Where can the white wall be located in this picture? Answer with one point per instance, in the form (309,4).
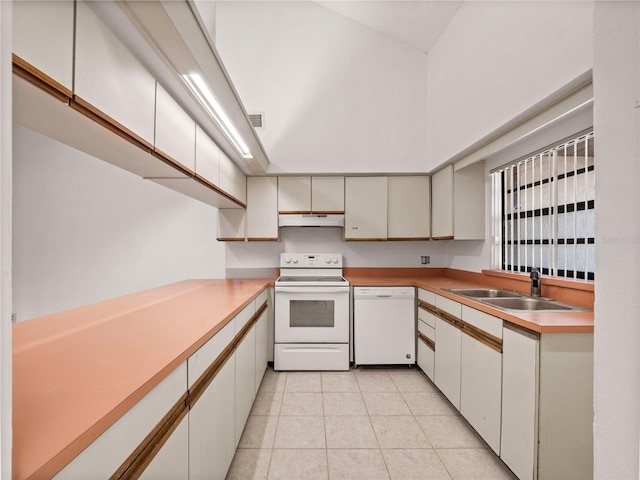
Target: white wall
(85,230)
(337,96)
(496,60)
(617,332)
(355,254)
(5,239)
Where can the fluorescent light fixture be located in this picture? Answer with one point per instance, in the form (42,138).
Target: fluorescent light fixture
(202,92)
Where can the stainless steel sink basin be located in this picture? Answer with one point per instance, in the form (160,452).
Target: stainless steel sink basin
(484,292)
(507,300)
(528,303)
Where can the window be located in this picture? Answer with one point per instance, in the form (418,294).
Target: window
(543,211)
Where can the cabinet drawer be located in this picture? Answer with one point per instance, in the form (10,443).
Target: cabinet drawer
(241,319)
(427,296)
(427,330)
(261,298)
(427,317)
(205,355)
(490,324)
(450,306)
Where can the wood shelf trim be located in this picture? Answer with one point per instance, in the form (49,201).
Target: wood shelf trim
(427,341)
(447,237)
(33,75)
(101,118)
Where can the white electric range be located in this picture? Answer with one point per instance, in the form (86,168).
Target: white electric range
(311,313)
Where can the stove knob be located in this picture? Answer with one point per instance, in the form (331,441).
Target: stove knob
(295,259)
(287,260)
(335,260)
(327,260)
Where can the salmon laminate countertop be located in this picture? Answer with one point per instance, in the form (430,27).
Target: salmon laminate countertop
(75,373)
(536,321)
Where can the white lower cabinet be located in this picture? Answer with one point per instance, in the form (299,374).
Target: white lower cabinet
(262,339)
(448,351)
(212,418)
(519,400)
(481,375)
(245,380)
(212,439)
(547,405)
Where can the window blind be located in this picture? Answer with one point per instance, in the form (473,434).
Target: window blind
(544,211)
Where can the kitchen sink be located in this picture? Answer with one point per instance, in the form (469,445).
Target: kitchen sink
(529,304)
(508,300)
(484,292)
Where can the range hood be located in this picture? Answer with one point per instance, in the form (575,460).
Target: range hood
(311,220)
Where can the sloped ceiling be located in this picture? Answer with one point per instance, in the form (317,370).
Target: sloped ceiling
(417,23)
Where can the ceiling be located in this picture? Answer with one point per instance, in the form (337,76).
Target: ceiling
(418,23)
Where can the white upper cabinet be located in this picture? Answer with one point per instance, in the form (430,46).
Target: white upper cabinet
(458,203)
(409,208)
(327,194)
(262,208)
(111,79)
(294,194)
(43,37)
(175,131)
(365,208)
(207,158)
(232,179)
(442,206)
(468,200)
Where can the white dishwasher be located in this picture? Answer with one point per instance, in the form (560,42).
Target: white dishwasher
(384,325)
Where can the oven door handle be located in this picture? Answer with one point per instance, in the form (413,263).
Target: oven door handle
(304,290)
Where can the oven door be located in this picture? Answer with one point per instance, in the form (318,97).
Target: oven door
(311,315)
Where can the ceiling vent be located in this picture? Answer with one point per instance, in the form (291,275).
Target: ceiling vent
(257,120)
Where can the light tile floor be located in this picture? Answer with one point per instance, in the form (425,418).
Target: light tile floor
(368,423)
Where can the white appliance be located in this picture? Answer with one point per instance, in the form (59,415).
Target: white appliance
(311,313)
(384,325)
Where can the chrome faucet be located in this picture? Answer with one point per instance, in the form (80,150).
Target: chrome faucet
(536,284)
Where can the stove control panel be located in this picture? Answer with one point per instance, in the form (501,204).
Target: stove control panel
(311,260)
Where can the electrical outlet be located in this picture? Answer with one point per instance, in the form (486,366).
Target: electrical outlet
(425,259)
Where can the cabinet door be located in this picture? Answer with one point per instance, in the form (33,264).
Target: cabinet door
(469,200)
(262,344)
(232,180)
(519,402)
(245,387)
(365,208)
(409,208)
(426,352)
(327,194)
(43,37)
(175,131)
(442,204)
(481,389)
(207,158)
(262,208)
(448,361)
(212,437)
(110,78)
(172,461)
(294,194)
